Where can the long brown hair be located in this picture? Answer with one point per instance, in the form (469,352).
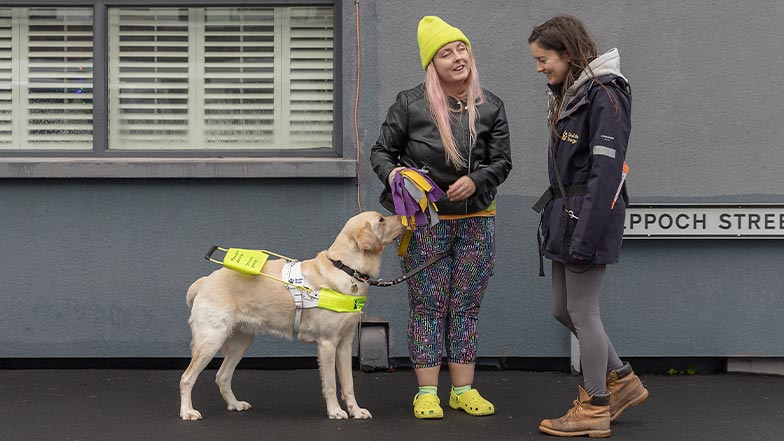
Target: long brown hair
(569,37)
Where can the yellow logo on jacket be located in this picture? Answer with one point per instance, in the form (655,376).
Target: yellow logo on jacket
(570,137)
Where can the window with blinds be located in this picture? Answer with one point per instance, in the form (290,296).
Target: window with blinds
(46,79)
(221,78)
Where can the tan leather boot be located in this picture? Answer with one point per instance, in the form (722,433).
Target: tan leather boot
(626,390)
(585,418)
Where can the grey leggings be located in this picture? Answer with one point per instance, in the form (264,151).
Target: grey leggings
(576,306)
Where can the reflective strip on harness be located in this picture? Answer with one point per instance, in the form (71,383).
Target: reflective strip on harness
(338,302)
(324,298)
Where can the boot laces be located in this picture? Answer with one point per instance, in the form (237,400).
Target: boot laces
(611,381)
(577,409)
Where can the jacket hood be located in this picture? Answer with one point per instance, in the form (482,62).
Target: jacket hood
(606,64)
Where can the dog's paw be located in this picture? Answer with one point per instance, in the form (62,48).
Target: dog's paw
(239,406)
(361,414)
(190,415)
(338,414)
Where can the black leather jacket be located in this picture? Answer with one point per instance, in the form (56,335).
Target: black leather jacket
(409,137)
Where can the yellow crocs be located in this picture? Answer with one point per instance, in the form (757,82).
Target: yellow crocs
(427,407)
(471,402)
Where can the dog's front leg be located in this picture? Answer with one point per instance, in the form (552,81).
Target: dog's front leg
(347,380)
(326,356)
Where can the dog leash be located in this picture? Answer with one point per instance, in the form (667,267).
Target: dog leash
(364,278)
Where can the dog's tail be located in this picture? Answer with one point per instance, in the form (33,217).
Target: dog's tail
(193,290)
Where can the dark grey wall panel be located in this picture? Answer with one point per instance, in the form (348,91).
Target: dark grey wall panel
(99,267)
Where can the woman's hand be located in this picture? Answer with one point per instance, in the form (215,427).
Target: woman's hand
(461,189)
(391,175)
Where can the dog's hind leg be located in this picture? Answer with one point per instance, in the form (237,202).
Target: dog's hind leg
(233,350)
(343,359)
(326,358)
(205,345)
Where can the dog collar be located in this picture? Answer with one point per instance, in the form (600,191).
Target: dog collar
(362,277)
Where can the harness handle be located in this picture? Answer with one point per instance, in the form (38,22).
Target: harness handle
(254,269)
(212,251)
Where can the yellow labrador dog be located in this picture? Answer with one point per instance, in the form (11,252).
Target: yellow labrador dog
(228,308)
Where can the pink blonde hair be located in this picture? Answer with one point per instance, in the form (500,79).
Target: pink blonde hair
(440,110)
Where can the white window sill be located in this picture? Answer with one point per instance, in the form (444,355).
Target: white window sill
(177,168)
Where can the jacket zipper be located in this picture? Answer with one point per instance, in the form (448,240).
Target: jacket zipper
(467,143)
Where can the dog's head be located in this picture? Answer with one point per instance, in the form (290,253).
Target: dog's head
(364,237)
(370,231)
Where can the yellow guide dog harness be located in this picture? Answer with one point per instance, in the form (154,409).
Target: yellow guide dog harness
(251,262)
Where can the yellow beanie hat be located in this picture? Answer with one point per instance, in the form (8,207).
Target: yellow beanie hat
(433,34)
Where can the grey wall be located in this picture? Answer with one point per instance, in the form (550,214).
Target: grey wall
(99,267)
(706,128)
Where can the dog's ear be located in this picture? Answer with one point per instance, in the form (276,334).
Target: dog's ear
(367,241)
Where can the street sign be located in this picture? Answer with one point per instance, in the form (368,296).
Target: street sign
(704,221)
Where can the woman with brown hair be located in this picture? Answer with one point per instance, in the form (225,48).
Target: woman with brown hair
(583,211)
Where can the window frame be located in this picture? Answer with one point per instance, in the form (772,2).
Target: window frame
(104,162)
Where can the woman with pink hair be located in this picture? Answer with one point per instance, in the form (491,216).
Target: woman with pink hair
(455,132)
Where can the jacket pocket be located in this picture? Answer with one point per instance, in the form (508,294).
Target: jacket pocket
(561,226)
(545,220)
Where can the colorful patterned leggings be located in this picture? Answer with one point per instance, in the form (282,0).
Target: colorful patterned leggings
(444,298)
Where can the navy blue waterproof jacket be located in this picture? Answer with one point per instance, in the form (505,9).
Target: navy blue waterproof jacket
(593,134)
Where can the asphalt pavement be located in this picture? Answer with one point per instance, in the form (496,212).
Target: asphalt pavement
(138,404)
